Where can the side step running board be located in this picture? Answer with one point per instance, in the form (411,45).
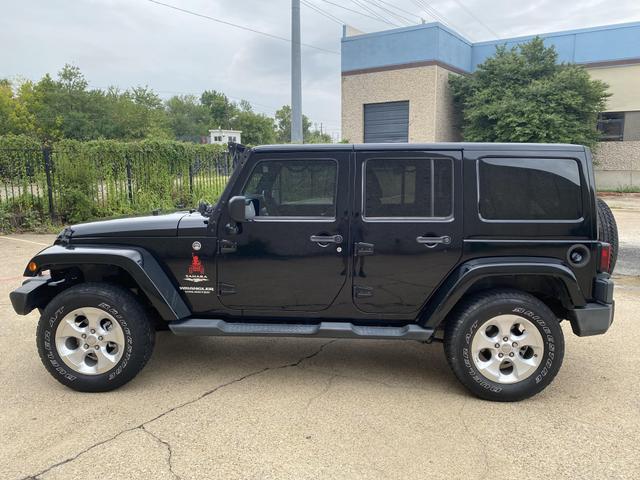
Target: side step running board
(211,327)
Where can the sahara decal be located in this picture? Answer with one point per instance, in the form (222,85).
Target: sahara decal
(195,272)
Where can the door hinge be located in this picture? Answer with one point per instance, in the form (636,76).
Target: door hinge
(227,246)
(362,249)
(362,292)
(226,289)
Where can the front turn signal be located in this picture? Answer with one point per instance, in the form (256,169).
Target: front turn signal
(32,267)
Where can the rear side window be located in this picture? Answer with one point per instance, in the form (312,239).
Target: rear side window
(408,188)
(529,189)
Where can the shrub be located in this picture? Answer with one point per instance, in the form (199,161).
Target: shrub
(102,178)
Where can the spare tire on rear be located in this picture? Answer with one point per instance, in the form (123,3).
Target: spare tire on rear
(608,230)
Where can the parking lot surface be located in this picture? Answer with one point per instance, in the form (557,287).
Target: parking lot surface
(262,408)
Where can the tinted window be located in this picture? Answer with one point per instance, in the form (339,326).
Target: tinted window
(408,187)
(294,188)
(529,189)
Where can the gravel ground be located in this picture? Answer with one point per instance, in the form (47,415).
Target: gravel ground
(289,408)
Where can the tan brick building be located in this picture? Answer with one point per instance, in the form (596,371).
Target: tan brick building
(395,86)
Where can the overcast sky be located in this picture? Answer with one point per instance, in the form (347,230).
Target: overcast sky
(136,42)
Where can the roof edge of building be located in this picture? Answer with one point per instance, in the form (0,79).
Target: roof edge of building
(402,66)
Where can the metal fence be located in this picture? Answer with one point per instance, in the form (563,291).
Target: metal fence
(74,184)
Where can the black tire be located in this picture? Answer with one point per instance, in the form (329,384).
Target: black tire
(121,305)
(465,322)
(608,230)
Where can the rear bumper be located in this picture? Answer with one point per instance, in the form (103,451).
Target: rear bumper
(33,293)
(595,318)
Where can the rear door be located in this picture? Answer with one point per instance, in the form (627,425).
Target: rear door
(407,227)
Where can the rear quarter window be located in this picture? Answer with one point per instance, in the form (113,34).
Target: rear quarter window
(529,189)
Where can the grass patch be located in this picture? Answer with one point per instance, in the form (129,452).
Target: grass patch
(622,189)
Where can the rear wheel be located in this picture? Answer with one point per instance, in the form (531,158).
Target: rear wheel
(94,337)
(608,230)
(504,345)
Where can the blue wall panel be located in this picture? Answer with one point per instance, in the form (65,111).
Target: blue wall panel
(435,42)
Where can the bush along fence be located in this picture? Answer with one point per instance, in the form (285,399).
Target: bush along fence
(73,181)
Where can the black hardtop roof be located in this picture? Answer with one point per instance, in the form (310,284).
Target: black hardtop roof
(310,147)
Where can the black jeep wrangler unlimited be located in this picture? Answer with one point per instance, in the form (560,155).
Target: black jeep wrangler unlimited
(486,247)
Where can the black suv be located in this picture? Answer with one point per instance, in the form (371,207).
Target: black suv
(485,247)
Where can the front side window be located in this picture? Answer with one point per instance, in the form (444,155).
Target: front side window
(294,188)
(529,189)
(408,188)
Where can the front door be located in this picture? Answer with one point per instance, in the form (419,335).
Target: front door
(293,255)
(407,228)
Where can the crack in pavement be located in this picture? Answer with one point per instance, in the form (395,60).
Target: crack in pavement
(169,449)
(322,392)
(142,425)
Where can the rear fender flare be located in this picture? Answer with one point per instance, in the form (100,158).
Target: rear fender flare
(137,262)
(471,272)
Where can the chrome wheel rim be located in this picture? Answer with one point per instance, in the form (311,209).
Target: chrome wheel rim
(507,349)
(90,341)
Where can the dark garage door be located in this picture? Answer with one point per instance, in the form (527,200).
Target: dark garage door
(386,122)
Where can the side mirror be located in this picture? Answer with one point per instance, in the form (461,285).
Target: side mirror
(241,209)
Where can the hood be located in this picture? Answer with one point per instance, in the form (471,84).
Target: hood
(148,226)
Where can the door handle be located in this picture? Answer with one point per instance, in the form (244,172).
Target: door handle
(431,242)
(363,249)
(325,240)
(227,246)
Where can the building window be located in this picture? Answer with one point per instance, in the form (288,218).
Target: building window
(217,138)
(232,139)
(611,126)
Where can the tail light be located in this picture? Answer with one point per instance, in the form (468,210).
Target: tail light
(605,257)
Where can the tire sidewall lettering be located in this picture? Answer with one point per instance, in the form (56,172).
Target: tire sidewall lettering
(544,368)
(52,356)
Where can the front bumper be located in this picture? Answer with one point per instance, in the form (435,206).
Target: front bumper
(595,318)
(34,292)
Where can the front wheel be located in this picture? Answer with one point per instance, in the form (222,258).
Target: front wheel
(504,345)
(94,337)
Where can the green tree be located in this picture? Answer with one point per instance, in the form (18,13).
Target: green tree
(221,109)
(7,107)
(188,117)
(523,94)
(317,136)
(257,129)
(283,128)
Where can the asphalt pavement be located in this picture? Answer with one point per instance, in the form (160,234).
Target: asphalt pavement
(269,408)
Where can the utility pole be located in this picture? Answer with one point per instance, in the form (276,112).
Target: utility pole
(296,74)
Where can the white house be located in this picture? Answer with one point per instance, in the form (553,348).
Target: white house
(220,136)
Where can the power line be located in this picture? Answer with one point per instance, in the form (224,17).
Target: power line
(361,4)
(380,5)
(241,27)
(464,7)
(322,12)
(355,11)
(431,11)
(400,9)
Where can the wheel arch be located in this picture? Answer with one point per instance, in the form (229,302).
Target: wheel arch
(545,278)
(132,265)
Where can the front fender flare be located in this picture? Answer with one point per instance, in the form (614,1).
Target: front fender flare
(465,276)
(137,262)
